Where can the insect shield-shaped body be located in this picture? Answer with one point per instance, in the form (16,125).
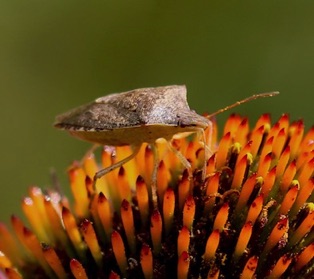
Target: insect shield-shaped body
(132,118)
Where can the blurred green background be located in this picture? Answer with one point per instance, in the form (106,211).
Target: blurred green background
(55,55)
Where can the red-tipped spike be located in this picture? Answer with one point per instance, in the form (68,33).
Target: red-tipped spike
(221,217)
(183,240)
(142,198)
(183,265)
(243,239)
(280,229)
(156,230)
(212,245)
(223,150)
(54,261)
(168,209)
(119,251)
(105,214)
(90,238)
(250,267)
(77,269)
(281,266)
(128,223)
(147,261)
(189,212)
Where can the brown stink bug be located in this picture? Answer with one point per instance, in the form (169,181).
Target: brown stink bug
(138,116)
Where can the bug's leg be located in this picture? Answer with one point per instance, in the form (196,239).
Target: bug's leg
(154,176)
(209,139)
(118,164)
(207,149)
(180,156)
(207,146)
(206,152)
(206,142)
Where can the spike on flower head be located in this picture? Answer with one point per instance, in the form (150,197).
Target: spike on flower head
(252,217)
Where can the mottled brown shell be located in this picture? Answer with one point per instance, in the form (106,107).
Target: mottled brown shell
(140,115)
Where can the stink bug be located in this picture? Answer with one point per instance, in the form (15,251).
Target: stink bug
(138,116)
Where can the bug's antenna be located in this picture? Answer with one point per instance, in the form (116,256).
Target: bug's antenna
(253,97)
